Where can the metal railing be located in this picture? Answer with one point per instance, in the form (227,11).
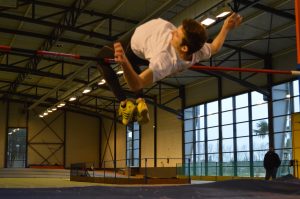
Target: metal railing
(119,169)
(241,168)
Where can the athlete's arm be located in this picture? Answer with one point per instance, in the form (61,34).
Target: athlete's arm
(230,23)
(135,81)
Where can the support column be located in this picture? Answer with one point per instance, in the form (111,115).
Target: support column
(155,130)
(295,116)
(220,95)
(183,102)
(297,15)
(115,138)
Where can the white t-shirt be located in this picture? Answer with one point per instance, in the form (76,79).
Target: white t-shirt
(151,41)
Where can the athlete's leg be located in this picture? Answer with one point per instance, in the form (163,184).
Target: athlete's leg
(126,108)
(112,80)
(142,115)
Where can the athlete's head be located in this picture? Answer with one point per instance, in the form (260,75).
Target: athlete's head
(195,35)
(190,36)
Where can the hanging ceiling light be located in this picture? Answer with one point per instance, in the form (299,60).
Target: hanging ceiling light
(53,108)
(61,104)
(87,90)
(102,82)
(223,11)
(72,98)
(119,72)
(207,21)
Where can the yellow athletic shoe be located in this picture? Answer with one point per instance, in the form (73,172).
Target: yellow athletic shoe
(142,111)
(127,112)
(121,108)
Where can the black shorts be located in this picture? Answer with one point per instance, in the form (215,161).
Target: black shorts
(135,61)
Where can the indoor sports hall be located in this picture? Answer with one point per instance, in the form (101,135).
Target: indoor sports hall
(215,92)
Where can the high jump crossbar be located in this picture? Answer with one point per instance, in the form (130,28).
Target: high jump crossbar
(4,48)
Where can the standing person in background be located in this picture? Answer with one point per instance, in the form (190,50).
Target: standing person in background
(271,164)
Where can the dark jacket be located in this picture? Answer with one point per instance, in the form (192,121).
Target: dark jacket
(271,160)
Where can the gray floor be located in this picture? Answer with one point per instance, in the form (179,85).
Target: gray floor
(279,189)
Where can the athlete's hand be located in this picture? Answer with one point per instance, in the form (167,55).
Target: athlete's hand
(120,56)
(233,21)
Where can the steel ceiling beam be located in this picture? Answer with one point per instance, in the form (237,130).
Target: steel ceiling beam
(88,12)
(33,85)
(29,98)
(68,20)
(269,9)
(244,50)
(235,79)
(23,54)
(22,70)
(42,36)
(67,27)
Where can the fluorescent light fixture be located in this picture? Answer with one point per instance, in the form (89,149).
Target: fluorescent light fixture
(54,109)
(102,82)
(222,11)
(49,110)
(208,21)
(41,115)
(61,104)
(45,113)
(87,90)
(120,72)
(73,98)
(223,14)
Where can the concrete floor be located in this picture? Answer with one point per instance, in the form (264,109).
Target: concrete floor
(59,188)
(61,183)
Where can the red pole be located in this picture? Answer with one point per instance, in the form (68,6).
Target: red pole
(56,54)
(5,48)
(254,70)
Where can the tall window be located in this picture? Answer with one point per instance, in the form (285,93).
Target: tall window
(133,144)
(285,102)
(227,136)
(241,129)
(259,131)
(16,148)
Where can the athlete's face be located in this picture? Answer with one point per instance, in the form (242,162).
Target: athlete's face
(177,37)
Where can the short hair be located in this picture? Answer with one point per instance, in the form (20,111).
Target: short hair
(195,35)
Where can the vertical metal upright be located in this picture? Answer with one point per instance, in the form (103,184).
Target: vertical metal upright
(115,138)
(234,137)
(297,21)
(220,95)
(183,102)
(205,140)
(155,131)
(6,133)
(250,134)
(100,143)
(268,64)
(27,132)
(297,15)
(65,137)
